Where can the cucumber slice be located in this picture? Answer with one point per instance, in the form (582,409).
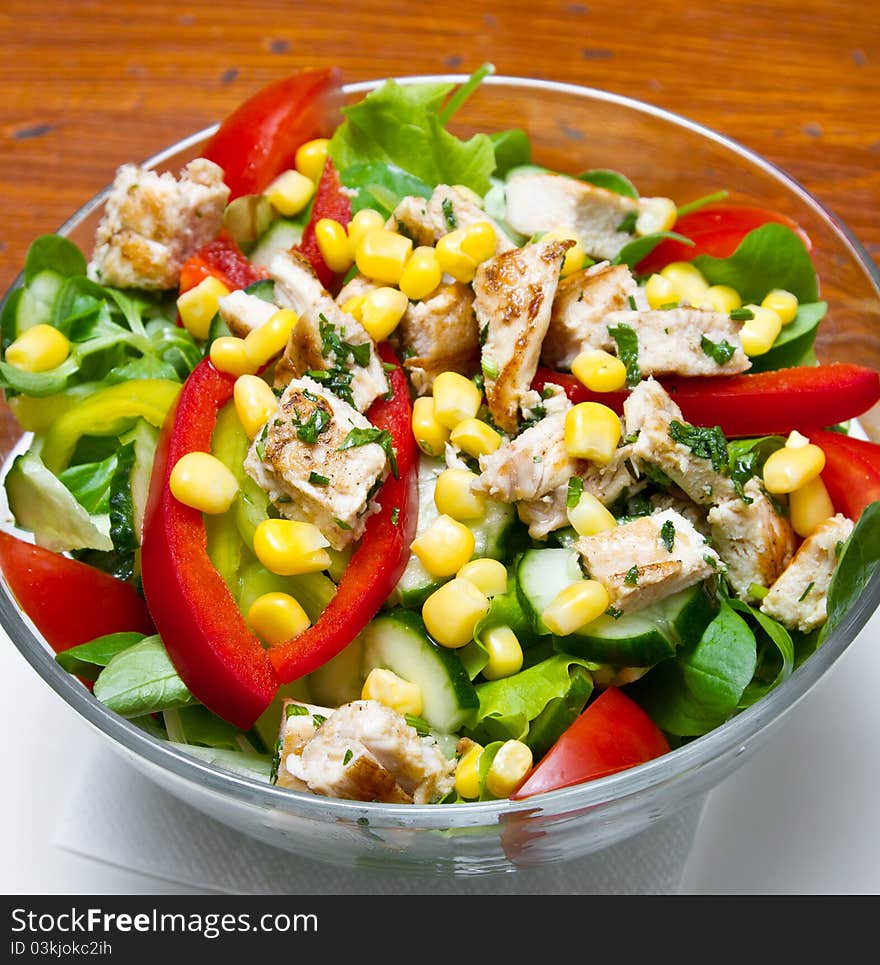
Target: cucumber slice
(491,536)
(340,679)
(540,575)
(646,637)
(397,641)
(36,302)
(280,236)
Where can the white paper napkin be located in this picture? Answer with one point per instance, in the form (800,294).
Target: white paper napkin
(114,814)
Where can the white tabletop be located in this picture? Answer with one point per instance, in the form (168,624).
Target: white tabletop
(801,816)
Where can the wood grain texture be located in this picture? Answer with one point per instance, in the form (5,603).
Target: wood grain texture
(86,86)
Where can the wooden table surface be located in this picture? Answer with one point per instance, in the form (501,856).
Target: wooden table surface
(86,86)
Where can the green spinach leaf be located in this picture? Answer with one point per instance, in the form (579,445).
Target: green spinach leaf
(87,659)
(394,184)
(634,251)
(611,181)
(859,561)
(795,341)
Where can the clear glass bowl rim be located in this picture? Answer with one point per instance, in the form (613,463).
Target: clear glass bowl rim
(722,742)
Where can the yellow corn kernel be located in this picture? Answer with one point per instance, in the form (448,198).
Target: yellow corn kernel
(505,653)
(475,437)
(198,306)
(228,355)
(721,298)
(445,546)
(575,257)
(288,547)
(254,403)
(479,241)
(792,467)
(382,310)
(430,435)
(467,773)
(354,306)
(367,219)
(488,576)
(453,496)
(760,331)
(277,618)
(382,255)
(508,768)
(589,516)
(575,607)
(290,192)
(392,691)
(687,280)
(783,303)
(809,506)
(656,214)
(453,259)
(451,613)
(334,245)
(422,274)
(270,339)
(201,481)
(38,349)
(311,157)
(455,399)
(660,292)
(599,371)
(592,431)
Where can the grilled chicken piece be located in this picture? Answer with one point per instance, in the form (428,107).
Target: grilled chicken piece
(798,598)
(755,542)
(633,563)
(439,334)
(649,412)
(678,341)
(542,202)
(243,312)
(365,751)
(514,296)
(153,222)
(582,301)
(322,331)
(292,468)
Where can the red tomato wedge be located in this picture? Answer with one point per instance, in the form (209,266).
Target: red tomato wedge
(69,602)
(852,471)
(260,138)
(221,259)
(804,397)
(717,230)
(333,203)
(612,734)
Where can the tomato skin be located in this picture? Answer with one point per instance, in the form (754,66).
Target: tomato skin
(330,202)
(852,471)
(260,138)
(69,602)
(717,230)
(221,259)
(611,735)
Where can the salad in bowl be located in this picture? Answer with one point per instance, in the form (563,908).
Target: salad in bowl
(384,465)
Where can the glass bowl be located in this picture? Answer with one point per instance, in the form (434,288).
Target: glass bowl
(572,129)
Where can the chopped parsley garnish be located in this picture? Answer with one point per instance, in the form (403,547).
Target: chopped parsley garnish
(654,473)
(667,307)
(308,429)
(381,437)
(484,333)
(296,710)
(575,491)
(489,367)
(349,754)
(614,613)
(335,380)
(632,576)
(318,719)
(537,458)
(261,443)
(332,343)
(341,524)
(706,443)
(395,516)
(742,314)
(419,723)
(806,592)
(629,223)
(449,213)
(628,351)
(316,479)
(720,352)
(710,560)
(667,534)
(632,304)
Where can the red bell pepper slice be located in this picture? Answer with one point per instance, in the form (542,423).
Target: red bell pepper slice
(216,655)
(260,138)
(381,558)
(715,229)
(330,202)
(804,397)
(69,602)
(221,259)
(611,735)
(852,471)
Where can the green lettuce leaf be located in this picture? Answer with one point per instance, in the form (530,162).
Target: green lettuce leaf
(795,341)
(859,562)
